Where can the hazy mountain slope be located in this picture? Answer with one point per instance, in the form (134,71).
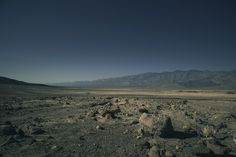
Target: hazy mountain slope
(178,79)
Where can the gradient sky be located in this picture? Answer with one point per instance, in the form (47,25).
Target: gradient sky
(50,41)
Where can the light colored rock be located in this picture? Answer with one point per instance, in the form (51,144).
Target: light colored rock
(98,127)
(147,120)
(153,152)
(153,142)
(217,149)
(234,138)
(169,154)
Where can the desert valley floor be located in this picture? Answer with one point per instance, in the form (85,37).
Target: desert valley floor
(118,123)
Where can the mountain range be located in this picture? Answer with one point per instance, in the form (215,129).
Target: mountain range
(191,79)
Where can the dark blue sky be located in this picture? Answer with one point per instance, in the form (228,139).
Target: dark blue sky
(55,41)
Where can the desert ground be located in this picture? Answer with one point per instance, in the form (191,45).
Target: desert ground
(76,122)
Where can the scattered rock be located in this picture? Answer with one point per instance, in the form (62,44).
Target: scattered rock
(139,136)
(98,127)
(199,148)
(153,142)
(221,126)
(147,120)
(169,154)
(81,138)
(140,131)
(53,147)
(143,110)
(7,123)
(21,133)
(146,145)
(38,131)
(125,132)
(91,113)
(134,122)
(154,152)
(8,130)
(38,120)
(217,149)
(110,113)
(9,141)
(234,138)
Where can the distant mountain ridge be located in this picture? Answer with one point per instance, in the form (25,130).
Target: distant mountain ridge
(9,81)
(191,79)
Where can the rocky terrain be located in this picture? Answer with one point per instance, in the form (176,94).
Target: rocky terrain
(90,125)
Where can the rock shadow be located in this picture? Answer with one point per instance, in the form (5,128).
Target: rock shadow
(213,155)
(179,135)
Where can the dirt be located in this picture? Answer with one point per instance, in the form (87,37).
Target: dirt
(92,125)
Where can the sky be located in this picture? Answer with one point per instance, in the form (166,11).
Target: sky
(50,41)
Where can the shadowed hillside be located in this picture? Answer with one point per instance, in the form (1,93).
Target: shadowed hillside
(8,81)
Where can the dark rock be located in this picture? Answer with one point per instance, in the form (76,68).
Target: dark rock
(217,149)
(37,131)
(9,130)
(146,145)
(220,126)
(111,113)
(143,110)
(134,122)
(21,133)
(169,154)
(38,120)
(7,123)
(9,141)
(199,148)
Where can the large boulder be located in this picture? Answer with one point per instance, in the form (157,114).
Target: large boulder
(147,120)
(158,125)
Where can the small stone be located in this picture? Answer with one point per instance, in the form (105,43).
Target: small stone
(53,147)
(125,132)
(146,145)
(199,148)
(169,154)
(37,131)
(217,149)
(9,130)
(98,127)
(81,138)
(153,142)
(9,141)
(140,131)
(7,123)
(153,152)
(234,138)
(178,148)
(143,110)
(21,133)
(134,122)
